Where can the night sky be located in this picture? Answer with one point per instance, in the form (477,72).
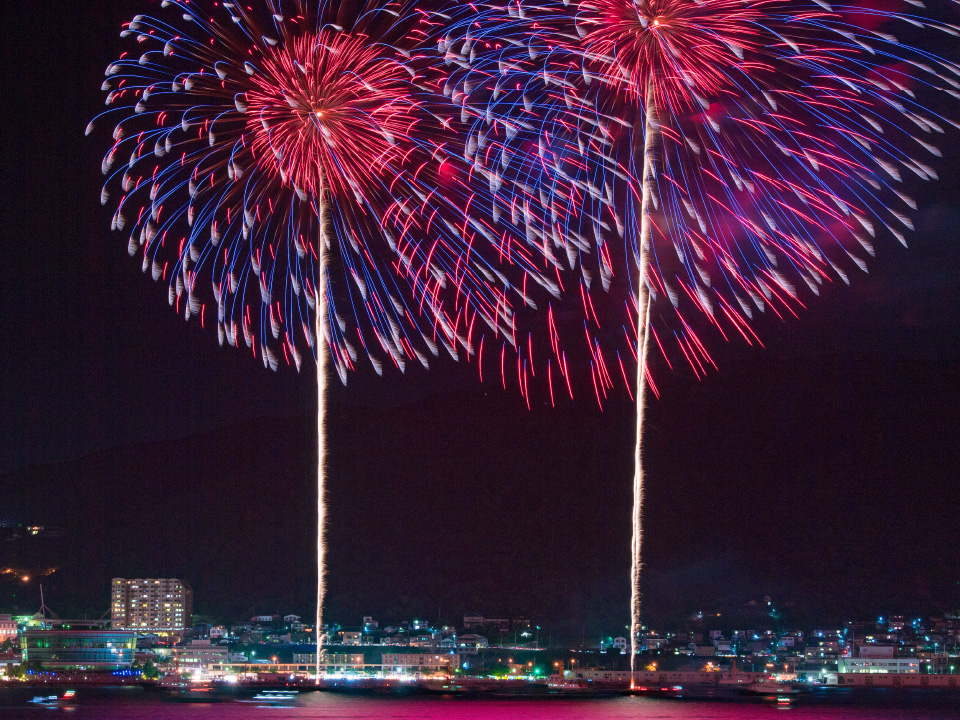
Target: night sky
(821,470)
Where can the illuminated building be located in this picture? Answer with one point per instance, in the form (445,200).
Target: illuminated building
(334,661)
(472,642)
(879,665)
(78,645)
(200,654)
(147,605)
(8,627)
(418,662)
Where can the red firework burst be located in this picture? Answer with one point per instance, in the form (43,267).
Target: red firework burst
(687,47)
(328,110)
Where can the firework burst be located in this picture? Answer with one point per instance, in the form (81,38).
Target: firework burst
(280,168)
(729,151)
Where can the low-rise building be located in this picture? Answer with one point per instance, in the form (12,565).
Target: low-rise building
(199,654)
(724,647)
(659,677)
(895,680)
(422,639)
(472,642)
(77,645)
(8,628)
(498,625)
(420,662)
(877,651)
(333,661)
(822,651)
(878,665)
(471,622)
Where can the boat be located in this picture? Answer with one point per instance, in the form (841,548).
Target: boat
(273,697)
(54,700)
(47,700)
(174,681)
(194,692)
(768,687)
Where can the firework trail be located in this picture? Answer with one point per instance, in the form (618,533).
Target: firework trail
(289,181)
(737,148)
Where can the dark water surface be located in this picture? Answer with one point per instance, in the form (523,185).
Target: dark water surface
(136,704)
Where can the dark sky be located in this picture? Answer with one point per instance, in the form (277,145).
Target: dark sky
(822,469)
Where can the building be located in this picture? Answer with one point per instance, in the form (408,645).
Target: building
(472,642)
(294,622)
(422,639)
(659,678)
(651,642)
(895,680)
(334,661)
(822,651)
(499,625)
(725,647)
(265,619)
(419,662)
(78,645)
(876,652)
(148,605)
(879,665)
(199,654)
(8,628)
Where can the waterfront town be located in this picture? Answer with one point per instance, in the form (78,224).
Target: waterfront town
(150,635)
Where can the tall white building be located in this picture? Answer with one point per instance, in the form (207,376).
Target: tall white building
(163,606)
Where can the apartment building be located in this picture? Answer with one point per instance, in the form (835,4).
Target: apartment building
(163,606)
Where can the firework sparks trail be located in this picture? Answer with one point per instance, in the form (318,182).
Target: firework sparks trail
(779,140)
(321,323)
(289,180)
(649,135)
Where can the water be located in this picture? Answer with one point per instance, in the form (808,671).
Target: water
(136,704)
